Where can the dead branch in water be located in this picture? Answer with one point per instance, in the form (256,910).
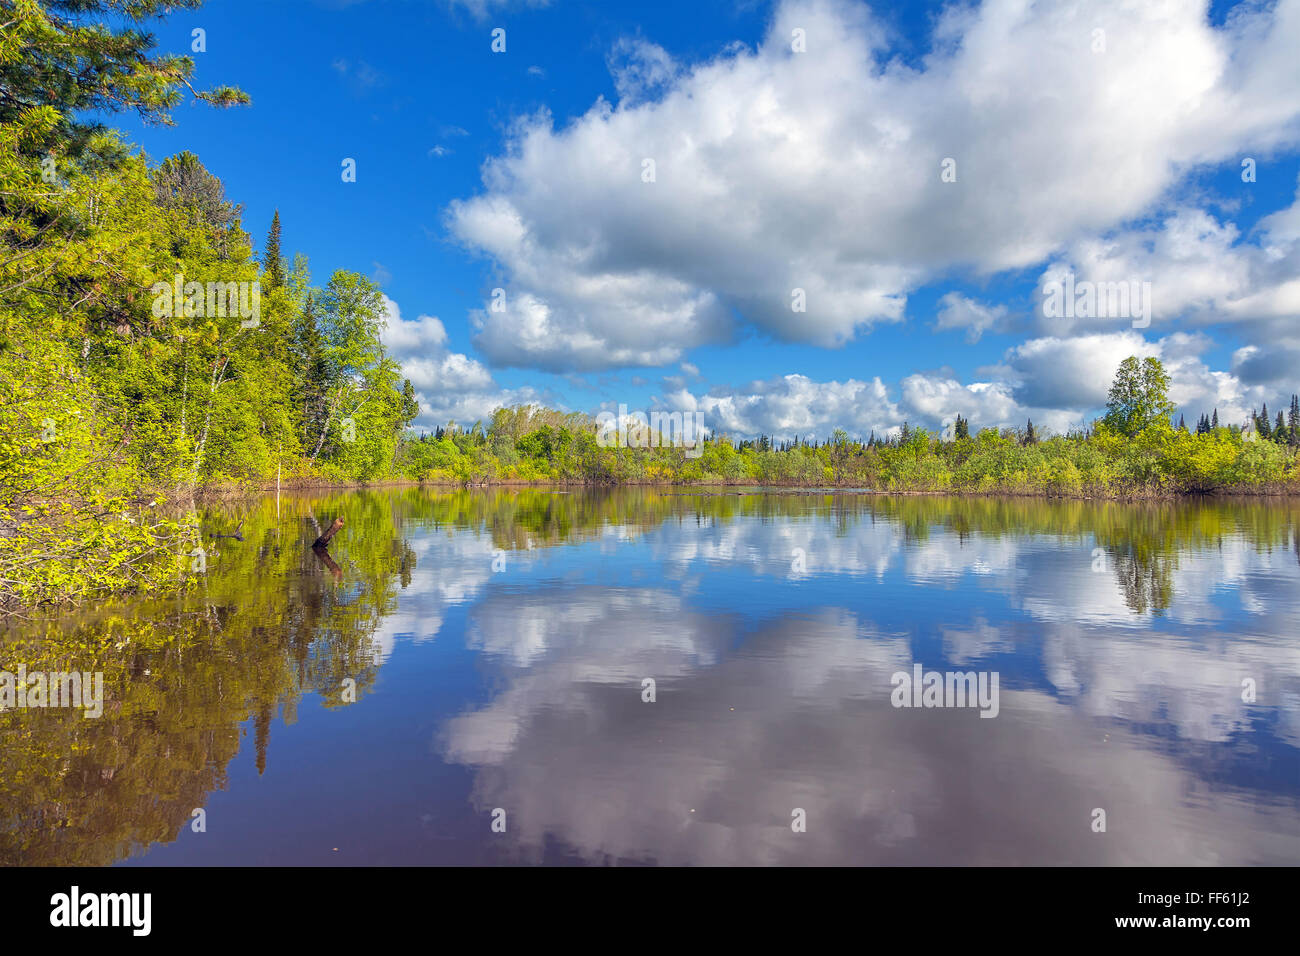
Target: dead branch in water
(323,556)
(324,540)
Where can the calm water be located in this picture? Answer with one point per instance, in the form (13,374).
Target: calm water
(499,642)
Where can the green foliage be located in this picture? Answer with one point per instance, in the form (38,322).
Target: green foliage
(143,353)
(63,55)
(272,260)
(528,444)
(138,366)
(1138,396)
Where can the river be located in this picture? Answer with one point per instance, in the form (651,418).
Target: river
(668,676)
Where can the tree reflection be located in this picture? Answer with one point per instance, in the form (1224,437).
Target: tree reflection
(271,621)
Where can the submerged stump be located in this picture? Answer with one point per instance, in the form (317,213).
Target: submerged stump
(324,540)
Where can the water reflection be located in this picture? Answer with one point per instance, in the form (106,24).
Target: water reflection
(498,642)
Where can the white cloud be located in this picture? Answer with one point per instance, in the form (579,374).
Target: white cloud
(794,404)
(640,70)
(405,338)
(933,399)
(449,385)
(820,171)
(1061,383)
(957,311)
(1197,269)
(1072,372)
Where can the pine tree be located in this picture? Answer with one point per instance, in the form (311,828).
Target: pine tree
(1279,430)
(1030,437)
(272,263)
(410,407)
(1294,421)
(1182,423)
(1214,422)
(963,428)
(82,59)
(1262,424)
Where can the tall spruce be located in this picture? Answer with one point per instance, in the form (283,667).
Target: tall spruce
(272,262)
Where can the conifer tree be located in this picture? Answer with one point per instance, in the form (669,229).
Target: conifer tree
(60,55)
(272,262)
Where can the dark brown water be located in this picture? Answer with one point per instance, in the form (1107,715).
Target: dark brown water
(1147,661)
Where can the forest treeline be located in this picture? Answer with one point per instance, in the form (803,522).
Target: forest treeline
(148,352)
(1134,451)
(145,351)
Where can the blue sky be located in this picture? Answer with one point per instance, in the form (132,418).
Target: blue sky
(1111,159)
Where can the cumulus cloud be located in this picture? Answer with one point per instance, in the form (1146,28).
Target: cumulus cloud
(957,311)
(1072,372)
(640,70)
(819,171)
(1256,366)
(794,404)
(448,385)
(1199,273)
(941,398)
(1061,383)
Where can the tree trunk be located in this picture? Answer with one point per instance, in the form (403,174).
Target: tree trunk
(324,540)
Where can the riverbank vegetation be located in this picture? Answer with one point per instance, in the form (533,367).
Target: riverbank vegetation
(1109,459)
(144,350)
